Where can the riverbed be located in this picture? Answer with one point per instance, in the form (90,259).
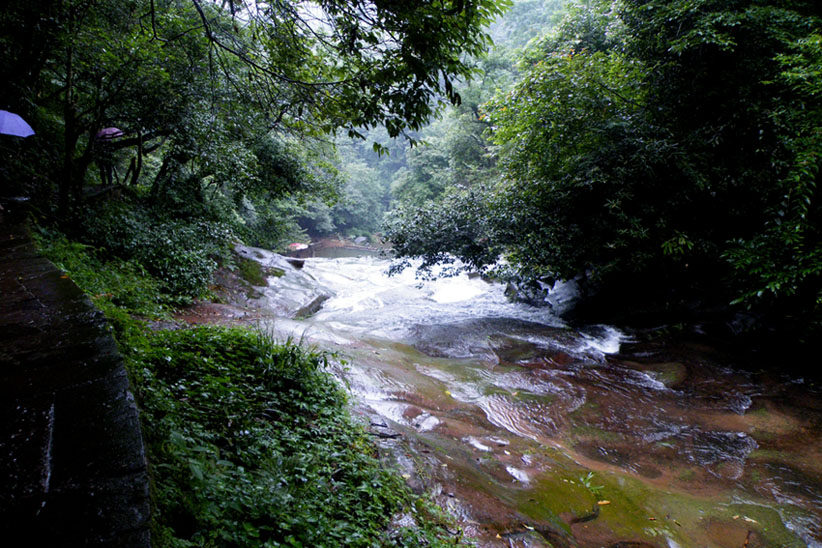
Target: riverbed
(535,433)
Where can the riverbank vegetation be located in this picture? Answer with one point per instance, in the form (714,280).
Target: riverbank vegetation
(249,440)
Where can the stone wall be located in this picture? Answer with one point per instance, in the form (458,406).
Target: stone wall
(72,462)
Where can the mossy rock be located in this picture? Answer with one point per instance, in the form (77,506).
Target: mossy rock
(252,272)
(273,271)
(256,274)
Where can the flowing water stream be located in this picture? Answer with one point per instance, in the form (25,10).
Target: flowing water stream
(537,434)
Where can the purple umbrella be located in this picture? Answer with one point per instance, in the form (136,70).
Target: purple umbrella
(109,133)
(12,124)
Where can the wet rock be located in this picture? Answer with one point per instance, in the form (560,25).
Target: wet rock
(294,294)
(489,339)
(671,374)
(733,533)
(296,263)
(311,308)
(513,350)
(386,434)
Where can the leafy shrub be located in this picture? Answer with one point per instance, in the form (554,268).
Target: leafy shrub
(251,444)
(180,254)
(117,227)
(175,255)
(109,281)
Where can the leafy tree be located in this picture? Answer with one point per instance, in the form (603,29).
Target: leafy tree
(425,176)
(315,217)
(667,146)
(784,260)
(363,202)
(721,83)
(455,149)
(211,77)
(458,227)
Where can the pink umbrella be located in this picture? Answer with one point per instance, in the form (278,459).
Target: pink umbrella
(13,124)
(296,246)
(109,133)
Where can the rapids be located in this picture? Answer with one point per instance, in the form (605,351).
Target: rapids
(538,434)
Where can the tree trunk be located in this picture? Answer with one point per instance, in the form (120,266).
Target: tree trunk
(139,166)
(69,140)
(157,184)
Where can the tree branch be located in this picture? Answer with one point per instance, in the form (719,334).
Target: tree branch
(250,62)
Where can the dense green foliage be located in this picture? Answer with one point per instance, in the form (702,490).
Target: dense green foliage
(112,285)
(226,106)
(251,445)
(656,150)
(250,442)
(181,254)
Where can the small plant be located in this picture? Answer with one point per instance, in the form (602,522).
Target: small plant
(587,481)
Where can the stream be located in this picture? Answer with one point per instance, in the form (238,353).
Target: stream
(537,434)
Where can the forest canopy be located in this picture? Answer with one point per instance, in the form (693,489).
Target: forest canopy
(655,151)
(216,90)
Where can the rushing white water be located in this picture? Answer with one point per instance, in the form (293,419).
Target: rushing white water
(366,299)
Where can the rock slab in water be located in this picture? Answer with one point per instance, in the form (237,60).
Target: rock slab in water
(311,308)
(295,294)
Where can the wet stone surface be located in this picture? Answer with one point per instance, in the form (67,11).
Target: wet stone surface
(72,462)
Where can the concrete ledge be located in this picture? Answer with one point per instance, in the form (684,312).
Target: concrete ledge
(72,462)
